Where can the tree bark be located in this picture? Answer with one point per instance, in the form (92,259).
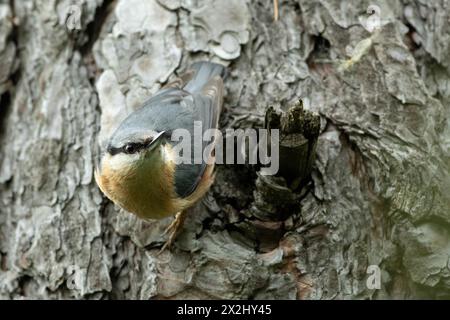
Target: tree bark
(378,194)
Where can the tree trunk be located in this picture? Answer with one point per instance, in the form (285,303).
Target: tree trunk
(378,201)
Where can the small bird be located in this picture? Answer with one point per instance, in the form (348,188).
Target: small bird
(137,170)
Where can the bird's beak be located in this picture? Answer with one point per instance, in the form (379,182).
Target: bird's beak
(159,135)
(155,140)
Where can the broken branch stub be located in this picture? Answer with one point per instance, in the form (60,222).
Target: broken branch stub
(299,130)
(277,198)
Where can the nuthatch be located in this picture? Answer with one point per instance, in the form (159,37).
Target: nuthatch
(137,171)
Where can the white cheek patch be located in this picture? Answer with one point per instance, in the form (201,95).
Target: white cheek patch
(122,161)
(168,154)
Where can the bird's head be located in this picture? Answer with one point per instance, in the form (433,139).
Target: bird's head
(133,149)
(131,157)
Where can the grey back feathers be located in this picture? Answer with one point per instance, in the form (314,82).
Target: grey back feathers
(195,96)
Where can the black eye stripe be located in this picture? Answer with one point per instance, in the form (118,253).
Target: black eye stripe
(134,147)
(131,147)
(147,142)
(113,151)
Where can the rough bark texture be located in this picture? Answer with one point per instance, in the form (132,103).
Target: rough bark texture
(380,185)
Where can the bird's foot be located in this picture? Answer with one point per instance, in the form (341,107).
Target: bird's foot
(174,229)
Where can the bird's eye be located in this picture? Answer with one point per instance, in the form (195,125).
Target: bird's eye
(130,148)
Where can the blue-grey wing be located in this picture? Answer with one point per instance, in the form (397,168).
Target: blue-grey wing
(205,85)
(187,176)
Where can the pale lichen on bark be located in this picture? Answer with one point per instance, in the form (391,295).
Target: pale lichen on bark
(380,179)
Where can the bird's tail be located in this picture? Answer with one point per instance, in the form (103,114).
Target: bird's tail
(203,72)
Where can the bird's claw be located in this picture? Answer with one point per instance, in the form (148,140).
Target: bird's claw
(173,230)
